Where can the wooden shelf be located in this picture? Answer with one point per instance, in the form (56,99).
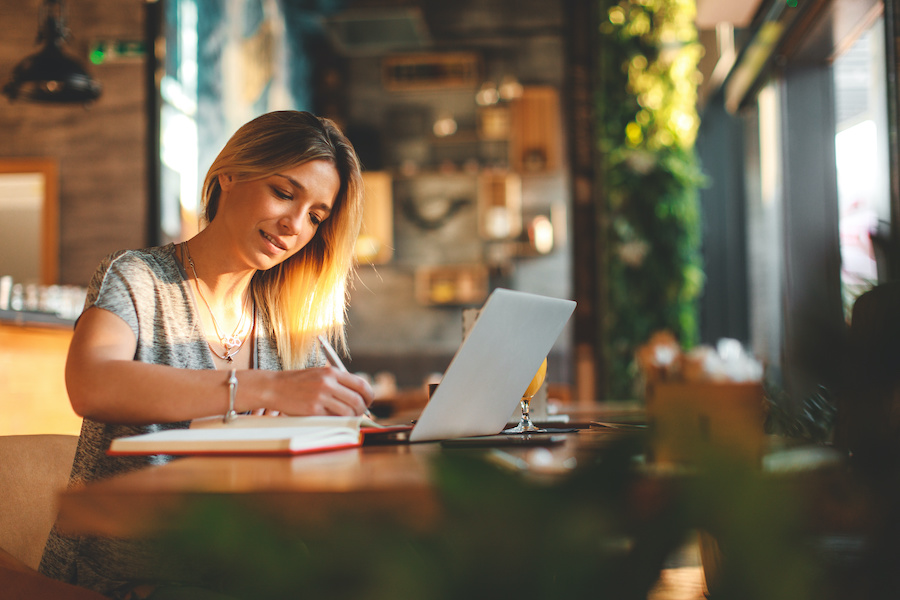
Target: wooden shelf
(451,285)
(431,71)
(536,131)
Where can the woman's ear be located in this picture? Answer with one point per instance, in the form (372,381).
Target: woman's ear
(226,180)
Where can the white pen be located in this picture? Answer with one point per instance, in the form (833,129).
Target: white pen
(332,356)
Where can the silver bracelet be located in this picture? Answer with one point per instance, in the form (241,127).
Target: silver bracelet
(232,390)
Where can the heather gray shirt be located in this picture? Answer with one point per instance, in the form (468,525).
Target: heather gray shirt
(149,290)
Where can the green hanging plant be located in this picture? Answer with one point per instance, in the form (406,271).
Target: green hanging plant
(650,176)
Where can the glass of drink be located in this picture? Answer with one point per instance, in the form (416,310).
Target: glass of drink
(525,425)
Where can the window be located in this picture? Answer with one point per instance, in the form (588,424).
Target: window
(861,149)
(179,186)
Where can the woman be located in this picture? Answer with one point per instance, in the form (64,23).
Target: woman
(222,323)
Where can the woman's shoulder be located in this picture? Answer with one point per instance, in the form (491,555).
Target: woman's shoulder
(135,270)
(158,261)
(143,256)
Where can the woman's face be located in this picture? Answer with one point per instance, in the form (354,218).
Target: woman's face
(272,218)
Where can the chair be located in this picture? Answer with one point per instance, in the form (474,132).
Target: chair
(33,470)
(868,422)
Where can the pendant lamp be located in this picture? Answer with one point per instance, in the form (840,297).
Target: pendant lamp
(50,75)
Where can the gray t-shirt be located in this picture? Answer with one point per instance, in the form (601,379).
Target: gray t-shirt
(149,290)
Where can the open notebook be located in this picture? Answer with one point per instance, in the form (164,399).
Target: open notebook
(248,434)
(480,389)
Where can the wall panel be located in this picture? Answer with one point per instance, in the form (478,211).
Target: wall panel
(101,148)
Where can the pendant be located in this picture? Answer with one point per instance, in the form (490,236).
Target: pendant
(231,343)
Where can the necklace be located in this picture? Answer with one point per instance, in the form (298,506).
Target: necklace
(232,343)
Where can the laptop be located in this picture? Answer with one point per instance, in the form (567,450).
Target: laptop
(484,382)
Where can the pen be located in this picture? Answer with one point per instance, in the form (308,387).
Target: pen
(330,354)
(334,359)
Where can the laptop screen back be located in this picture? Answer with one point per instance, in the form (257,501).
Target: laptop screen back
(484,382)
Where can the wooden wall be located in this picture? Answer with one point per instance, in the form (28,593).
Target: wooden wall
(100,149)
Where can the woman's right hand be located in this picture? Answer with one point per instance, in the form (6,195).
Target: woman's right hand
(319,391)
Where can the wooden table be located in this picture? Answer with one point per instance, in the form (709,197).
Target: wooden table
(390,483)
(380,480)
(376,480)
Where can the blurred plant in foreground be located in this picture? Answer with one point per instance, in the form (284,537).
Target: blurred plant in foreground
(603,531)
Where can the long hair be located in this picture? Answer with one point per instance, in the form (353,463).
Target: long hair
(307,294)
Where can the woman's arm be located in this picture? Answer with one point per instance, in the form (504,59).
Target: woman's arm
(106,384)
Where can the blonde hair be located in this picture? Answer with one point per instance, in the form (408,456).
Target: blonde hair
(307,294)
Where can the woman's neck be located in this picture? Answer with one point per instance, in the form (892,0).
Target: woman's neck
(224,303)
(223,283)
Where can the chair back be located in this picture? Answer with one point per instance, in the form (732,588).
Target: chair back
(33,470)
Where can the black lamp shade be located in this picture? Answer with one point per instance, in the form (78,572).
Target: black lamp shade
(49,75)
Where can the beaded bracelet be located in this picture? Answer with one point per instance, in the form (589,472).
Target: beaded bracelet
(232,390)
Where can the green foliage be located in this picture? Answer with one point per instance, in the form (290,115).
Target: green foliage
(649,215)
(604,531)
(814,421)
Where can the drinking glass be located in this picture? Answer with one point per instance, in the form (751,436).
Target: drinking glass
(525,425)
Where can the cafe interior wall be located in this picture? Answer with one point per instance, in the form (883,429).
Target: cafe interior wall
(390,328)
(100,149)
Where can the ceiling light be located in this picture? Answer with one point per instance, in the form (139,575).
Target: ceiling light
(444,126)
(510,88)
(50,75)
